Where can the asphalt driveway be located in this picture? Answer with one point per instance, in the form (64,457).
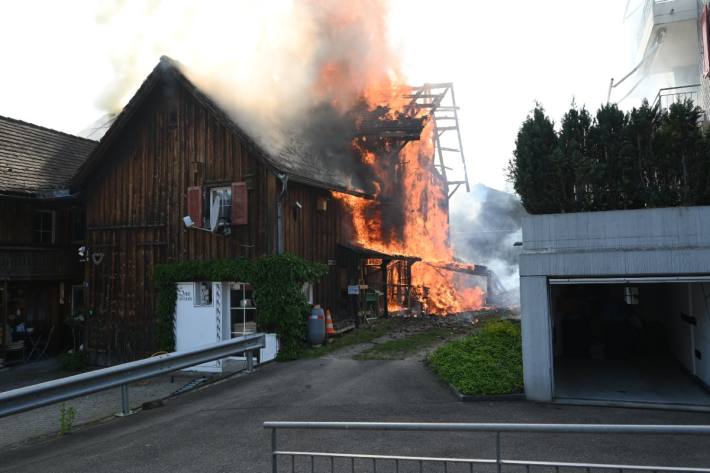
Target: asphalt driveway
(219,428)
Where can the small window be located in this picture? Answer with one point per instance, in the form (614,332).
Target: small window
(631,295)
(220,200)
(43,226)
(78,224)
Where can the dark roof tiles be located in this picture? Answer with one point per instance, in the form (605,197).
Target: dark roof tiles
(37,160)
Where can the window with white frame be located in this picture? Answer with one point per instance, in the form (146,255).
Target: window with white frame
(43,224)
(220,199)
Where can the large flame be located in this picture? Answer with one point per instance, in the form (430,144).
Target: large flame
(424,230)
(410,213)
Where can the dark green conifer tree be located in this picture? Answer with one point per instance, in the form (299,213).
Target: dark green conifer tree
(533,169)
(575,165)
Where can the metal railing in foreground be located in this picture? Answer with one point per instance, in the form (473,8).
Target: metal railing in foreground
(352,462)
(62,389)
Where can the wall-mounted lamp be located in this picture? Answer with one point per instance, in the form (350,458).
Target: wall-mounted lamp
(187,221)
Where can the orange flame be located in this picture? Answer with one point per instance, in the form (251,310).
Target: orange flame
(410,214)
(425,230)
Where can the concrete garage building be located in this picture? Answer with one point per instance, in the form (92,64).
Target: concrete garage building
(615,306)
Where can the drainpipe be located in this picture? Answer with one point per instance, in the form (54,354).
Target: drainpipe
(280,241)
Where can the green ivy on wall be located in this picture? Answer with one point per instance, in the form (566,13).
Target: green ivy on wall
(277,280)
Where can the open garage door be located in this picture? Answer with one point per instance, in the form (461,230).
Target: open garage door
(638,339)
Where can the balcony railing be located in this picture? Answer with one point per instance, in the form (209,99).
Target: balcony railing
(670,95)
(27,263)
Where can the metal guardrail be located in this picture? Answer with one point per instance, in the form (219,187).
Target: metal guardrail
(397,463)
(62,389)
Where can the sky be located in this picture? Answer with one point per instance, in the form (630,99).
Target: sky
(60,58)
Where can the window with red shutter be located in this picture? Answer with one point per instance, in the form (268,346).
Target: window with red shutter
(194,205)
(239,203)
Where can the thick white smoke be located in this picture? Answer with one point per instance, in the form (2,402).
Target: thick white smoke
(266,63)
(485,230)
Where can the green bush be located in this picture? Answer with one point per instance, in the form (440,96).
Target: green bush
(485,363)
(648,157)
(277,279)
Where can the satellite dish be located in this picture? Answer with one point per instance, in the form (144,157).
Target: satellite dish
(214,212)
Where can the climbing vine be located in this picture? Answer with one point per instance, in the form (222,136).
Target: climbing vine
(277,281)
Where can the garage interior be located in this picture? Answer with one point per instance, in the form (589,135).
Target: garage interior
(641,341)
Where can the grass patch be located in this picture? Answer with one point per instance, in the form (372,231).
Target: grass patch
(485,363)
(362,334)
(400,348)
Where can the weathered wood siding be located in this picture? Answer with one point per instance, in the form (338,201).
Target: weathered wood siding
(16,216)
(314,234)
(137,198)
(21,258)
(136,202)
(39,276)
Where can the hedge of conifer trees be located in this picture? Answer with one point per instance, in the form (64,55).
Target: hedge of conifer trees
(648,157)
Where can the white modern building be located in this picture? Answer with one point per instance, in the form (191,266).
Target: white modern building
(615,306)
(669,53)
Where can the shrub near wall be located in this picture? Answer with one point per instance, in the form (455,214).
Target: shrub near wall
(485,363)
(648,157)
(277,279)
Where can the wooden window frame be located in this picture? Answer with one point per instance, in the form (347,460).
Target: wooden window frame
(53,227)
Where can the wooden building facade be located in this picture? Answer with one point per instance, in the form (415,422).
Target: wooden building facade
(41,228)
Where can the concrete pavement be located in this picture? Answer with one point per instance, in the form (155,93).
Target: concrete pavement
(219,428)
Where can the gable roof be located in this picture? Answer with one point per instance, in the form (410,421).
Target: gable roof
(294,160)
(38,161)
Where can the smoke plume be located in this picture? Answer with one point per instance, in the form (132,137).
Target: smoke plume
(268,64)
(486,231)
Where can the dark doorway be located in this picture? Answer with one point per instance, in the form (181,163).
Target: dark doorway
(629,342)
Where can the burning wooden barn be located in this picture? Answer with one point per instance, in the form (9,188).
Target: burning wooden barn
(177,178)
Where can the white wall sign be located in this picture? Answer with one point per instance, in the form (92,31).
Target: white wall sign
(184,293)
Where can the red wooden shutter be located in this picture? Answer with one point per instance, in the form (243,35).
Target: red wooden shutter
(194,205)
(240,208)
(706,41)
